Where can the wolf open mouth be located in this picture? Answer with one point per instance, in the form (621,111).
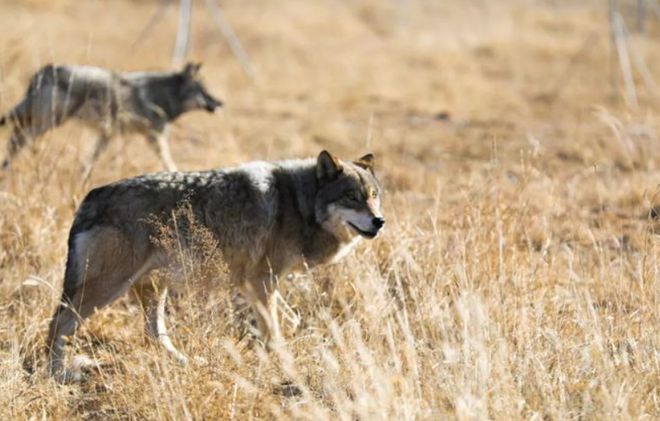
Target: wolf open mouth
(366,234)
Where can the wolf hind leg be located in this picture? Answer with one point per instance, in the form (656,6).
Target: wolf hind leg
(99,147)
(95,295)
(68,317)
(64,324)
(154,303)
(100,272)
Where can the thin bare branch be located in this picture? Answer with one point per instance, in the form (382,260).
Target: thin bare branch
(183,33)
(230,36)
(153,20)
(621,44)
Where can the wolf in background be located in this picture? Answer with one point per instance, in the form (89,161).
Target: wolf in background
(110,102)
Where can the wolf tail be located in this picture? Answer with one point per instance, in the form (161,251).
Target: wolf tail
(71,275)
(71,284)
(19,115)
(81,223)
(71,272)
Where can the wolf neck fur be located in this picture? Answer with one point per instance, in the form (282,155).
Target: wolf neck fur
(297,181)
(165,95)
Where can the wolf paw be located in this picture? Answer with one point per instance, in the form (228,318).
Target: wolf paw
(80,367)
(199,361)
(67,376)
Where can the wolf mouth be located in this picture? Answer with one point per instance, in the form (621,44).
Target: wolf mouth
(213,106)
(366,234)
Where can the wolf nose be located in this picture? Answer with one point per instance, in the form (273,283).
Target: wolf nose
(378,222)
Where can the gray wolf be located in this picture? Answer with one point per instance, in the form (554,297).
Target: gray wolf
(269,219)
(108,101)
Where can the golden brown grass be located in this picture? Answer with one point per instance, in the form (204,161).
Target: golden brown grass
(519,273)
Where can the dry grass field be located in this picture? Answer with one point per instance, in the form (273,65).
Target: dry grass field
(519,274)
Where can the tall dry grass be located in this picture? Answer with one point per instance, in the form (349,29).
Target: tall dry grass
(518,274)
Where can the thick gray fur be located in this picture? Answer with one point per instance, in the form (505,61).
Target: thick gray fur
(269,219)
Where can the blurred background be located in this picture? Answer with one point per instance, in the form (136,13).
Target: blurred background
(409,74)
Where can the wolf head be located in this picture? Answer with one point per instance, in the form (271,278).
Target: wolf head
(348,198)
(193,93)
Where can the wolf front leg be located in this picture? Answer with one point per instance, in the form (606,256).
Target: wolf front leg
(100,146)
(158,141)
(154,301)
(262,296)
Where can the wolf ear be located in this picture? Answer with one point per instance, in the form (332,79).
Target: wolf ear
(191,69)
(327,166)
(366,162)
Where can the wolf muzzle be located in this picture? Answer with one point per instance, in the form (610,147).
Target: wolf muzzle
(212,104)
(377,223)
